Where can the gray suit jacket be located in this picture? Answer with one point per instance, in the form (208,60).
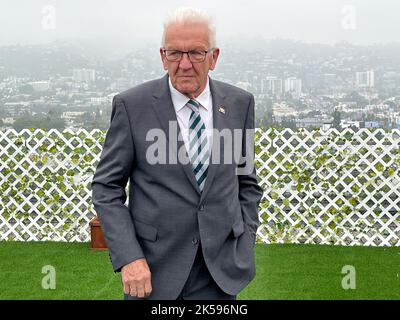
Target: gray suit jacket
(167,214)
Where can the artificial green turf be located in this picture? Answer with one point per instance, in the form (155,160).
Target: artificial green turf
(286,271)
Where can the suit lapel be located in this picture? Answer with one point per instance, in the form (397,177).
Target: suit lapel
(220,121)
(165,112)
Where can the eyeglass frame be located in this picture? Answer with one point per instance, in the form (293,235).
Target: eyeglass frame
(188,53)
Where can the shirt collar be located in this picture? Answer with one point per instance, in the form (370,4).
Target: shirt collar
(179,100)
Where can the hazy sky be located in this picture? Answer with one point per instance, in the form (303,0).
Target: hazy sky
(127,22)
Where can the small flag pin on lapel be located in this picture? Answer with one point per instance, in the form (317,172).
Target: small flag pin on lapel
(221,109)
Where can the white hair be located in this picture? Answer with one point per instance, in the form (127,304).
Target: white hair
(188,16)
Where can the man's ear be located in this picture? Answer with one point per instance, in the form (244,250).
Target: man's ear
(214,58)
(163,60)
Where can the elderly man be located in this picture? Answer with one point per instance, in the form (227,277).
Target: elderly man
(190,226)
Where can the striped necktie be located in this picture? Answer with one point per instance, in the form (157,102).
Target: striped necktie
(198,144)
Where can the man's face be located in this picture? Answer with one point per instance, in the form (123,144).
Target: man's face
(189,78)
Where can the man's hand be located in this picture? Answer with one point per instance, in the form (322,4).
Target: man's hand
(136,278)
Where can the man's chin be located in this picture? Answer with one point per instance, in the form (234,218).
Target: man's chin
(187,89)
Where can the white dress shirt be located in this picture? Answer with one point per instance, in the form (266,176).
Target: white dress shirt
(179,100)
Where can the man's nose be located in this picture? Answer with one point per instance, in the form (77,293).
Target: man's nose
(185,62)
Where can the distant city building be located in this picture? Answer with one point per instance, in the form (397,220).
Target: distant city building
(326,125)
(99,100)
(310,123)
(40,85)
(293,85)
(349,123)
(282,110)
(70,115)
(14,109)
(272,85)
(371,124)
(84,75)
(365,79)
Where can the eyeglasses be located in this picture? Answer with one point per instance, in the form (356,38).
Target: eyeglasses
(194,55)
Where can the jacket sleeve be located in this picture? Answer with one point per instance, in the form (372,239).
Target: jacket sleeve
(250,193)
(108,189)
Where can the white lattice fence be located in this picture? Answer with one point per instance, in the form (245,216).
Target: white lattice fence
(319,186)
(329,186)
(45,189)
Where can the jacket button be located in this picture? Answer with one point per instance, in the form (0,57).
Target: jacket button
(195,241)
(201,207)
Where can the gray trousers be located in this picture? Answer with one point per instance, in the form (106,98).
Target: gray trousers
(199,285)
